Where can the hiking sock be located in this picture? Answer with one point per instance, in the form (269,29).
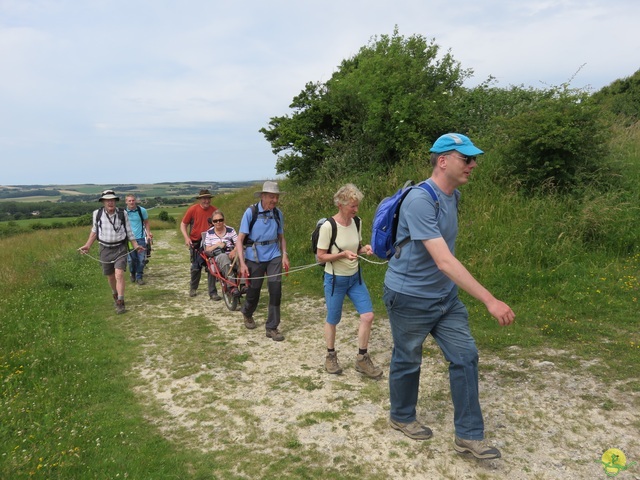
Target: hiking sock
(362,351)
(121,297)
(330,350)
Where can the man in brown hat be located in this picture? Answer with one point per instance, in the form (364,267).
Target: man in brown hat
(264,255)
(194,223)
(112,230)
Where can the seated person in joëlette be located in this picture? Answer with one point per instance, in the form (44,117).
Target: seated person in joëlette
(219,244)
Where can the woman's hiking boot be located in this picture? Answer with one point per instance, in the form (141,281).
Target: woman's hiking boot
(331,363)
(365,365)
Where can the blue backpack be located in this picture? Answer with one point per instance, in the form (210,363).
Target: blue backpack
(385,220)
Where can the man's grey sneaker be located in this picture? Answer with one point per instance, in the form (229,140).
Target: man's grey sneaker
(193,292)
(215,297)
(120,306)
(249,322)
(140,281)
(331,363)
(477,448)
(414,429)
(365,365)
(275,335)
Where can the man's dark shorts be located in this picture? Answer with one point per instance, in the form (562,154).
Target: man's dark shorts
(108,255)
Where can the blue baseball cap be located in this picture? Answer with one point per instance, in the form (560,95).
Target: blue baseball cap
(455,141)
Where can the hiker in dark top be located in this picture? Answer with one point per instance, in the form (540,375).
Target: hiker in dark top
(342,278)
(112,229)
(264,254)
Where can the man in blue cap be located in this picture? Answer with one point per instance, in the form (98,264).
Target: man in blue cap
(421,296)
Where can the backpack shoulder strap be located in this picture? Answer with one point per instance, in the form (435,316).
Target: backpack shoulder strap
(433,194)
(139,210)
(429,189)
(334,233)
(121,215)
(254,216)
(99,222)
(276,215)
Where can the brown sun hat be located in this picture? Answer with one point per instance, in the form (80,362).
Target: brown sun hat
(204,193)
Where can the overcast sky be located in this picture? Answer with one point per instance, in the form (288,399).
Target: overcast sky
(137,91)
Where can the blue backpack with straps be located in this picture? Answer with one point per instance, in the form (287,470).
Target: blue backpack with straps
(385,220)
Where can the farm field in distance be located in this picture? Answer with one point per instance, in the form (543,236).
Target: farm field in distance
(86,192)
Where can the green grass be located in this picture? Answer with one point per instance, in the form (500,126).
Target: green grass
(68,410)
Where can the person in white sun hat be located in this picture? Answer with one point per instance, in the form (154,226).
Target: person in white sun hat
(262,252)
(112,229)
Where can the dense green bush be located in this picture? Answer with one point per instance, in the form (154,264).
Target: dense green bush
(557,144)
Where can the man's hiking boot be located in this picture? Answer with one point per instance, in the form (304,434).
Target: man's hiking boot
(140,281)
(193,292)
(249,322)
(133,278)
(115,298)
(365,366)
(120,306)
(275,335)
(215,297)
(331,363)
(414,429)
(477,448)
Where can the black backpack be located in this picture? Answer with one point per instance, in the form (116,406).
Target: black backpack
(334,233)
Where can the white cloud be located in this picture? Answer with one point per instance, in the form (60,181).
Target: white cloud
(180,83)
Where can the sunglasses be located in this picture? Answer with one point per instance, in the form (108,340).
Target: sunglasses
(218,220)
(467,160)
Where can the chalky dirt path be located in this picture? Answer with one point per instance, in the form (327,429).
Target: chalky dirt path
(212,385)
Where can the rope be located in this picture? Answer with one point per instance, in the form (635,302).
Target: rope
(311,265)
(291,270)
(372,261)
(100,261)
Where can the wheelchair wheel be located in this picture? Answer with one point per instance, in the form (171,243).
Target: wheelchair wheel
(230,301)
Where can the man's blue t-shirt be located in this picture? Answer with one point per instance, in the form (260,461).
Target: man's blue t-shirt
(415,272)
(265,229)
(137,225)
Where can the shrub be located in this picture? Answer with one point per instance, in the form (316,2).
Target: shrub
(558,144)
